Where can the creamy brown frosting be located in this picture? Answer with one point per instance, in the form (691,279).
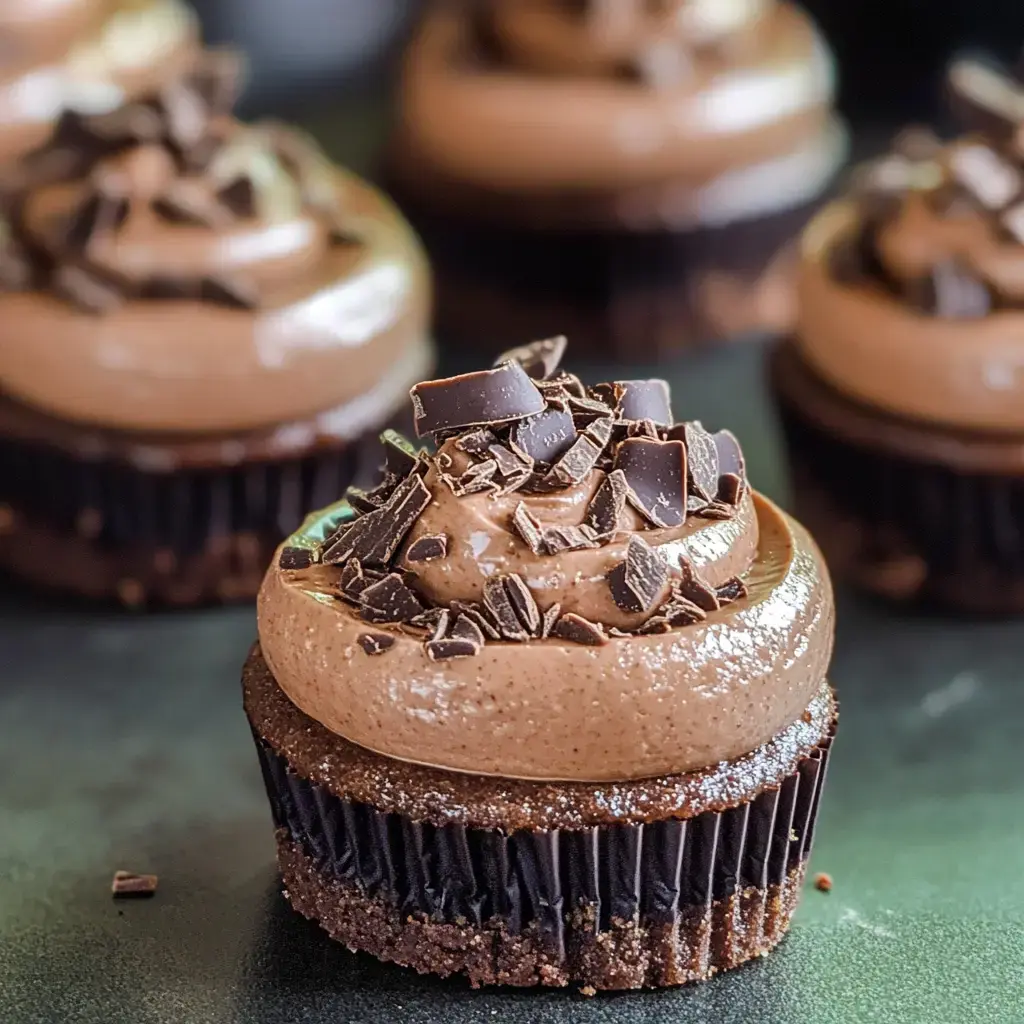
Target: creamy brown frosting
(912,288)
(229,281)
(560,97)
(571,681)
(86,55)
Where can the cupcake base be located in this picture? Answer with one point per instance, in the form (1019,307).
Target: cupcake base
(655,882)
(908,511)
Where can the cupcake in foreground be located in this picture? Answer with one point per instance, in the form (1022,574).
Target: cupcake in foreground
(629,173)
(547,706)
(901,392)
(89,56)
(200,322)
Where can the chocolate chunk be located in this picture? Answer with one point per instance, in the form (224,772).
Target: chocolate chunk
(295,558)
(539,359)
(701,461)
(476,442)
(129,885)
(479,616)
(608,504)
(548,620)
(375,643)
(99,213)
(478,477)
(523,602)
(363,501)
(637,582)
(239,196)
(586,409)
(509,464)
(428,549)
(990,179)
(475,399)
(680,611)
(731,590)
(546,436)
(233,292)
(466,628)
(576,463)
(638,400)
(498,598)
(444,650)
(730,464)
(600,431)
(717,510)
(556,539)
(400,458)
(730,489)
(655,472)
(389,600)
(441,623)
(644,428)
(527,526)
(692,587)
(579,630)
(656,625)
(434,619)
(952,292)
(87,291)
(354,579)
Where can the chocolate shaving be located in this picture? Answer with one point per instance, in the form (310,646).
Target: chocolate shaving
(498,601)
(680,611)
(466,628)
(701,461)
(428,549)
(539,359)
(637,582)
(546,436)
(389,600)
(445,650)
(523,602)
(295,558)
(127,884)
(579,630)
(732,590)
(354,580)
(576,463)
(548,620)
(475,399)
(637,400)
(717,510)
(653,626)
(644,428)
(731,465)
(655,472)
(87,291)
(563,382)
(527,526)
(363,501)
(692,587)
(509,464)
(476,442)
(607,505)
(479,616)
(233,292)
(375,643)
(586,409)
(556,539)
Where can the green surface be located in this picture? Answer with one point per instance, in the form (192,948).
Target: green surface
(124,746)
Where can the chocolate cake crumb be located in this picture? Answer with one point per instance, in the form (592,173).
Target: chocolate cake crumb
(128,885)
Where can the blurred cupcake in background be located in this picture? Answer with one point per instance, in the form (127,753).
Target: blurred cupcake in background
(627,172)
(202,323)
(90,56)
(902,391)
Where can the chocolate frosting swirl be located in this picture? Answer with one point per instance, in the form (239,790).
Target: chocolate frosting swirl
(571,586)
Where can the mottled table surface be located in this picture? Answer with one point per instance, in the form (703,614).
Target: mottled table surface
(123,745)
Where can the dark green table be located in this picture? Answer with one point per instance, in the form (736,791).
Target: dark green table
(123,745)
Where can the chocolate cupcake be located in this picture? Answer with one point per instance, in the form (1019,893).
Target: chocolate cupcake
(901,393)
(90,56)
(627,172)
(200,323)
(547,706)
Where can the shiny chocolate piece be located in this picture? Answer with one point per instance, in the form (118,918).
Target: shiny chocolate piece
(608,504)
(576,463)
(636,582)
(499,600)
(476,399)
(529,529)
(579,630)
(539,359)
(129,885)
(545,437)
(295,558)
(701,461)
(427,549)
(556,539)
(731,590)
(389,600)
(692,587)
(400,458)
(655,472)
(637,400)
(451,647)
(730,464)
(376,643)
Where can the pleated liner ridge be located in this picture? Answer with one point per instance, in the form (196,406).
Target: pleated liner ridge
(615,906)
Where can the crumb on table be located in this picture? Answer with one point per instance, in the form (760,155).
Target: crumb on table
(823,882)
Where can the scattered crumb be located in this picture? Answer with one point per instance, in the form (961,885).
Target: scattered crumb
(129,884)
(588,991)
(823,882)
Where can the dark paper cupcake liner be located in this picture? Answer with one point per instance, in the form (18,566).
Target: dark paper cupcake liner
(899,524)
(625,293)
(616,906)
(107,528)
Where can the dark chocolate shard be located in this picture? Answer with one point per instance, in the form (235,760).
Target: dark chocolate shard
(389,600)
(526,525)
(576,463)
(479,615)
(607,505)
(586,409)
(692,587)
(548,620)
(717,510)
(523,603)
(990,179)
(375,643)
(354,580)
(638,400)
(730,463)
(233,292)
(565,382)
(546,436)
(295,558)
(579,630)
(655,472)
(654,626)
(363,501)
(637,582)
(239,197)
(476,442)
(428,549)
(539,359)
(466,628)
(701,461)
(681,611)
(600,431)
(498,601)
(129,885)
(644,428)
(441,623)
(731,590)
(730,489)
(98,214)
(509,464)
(445,650)
(478,399)
(87,291)
(556,539)
(432,619)
(400,458)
